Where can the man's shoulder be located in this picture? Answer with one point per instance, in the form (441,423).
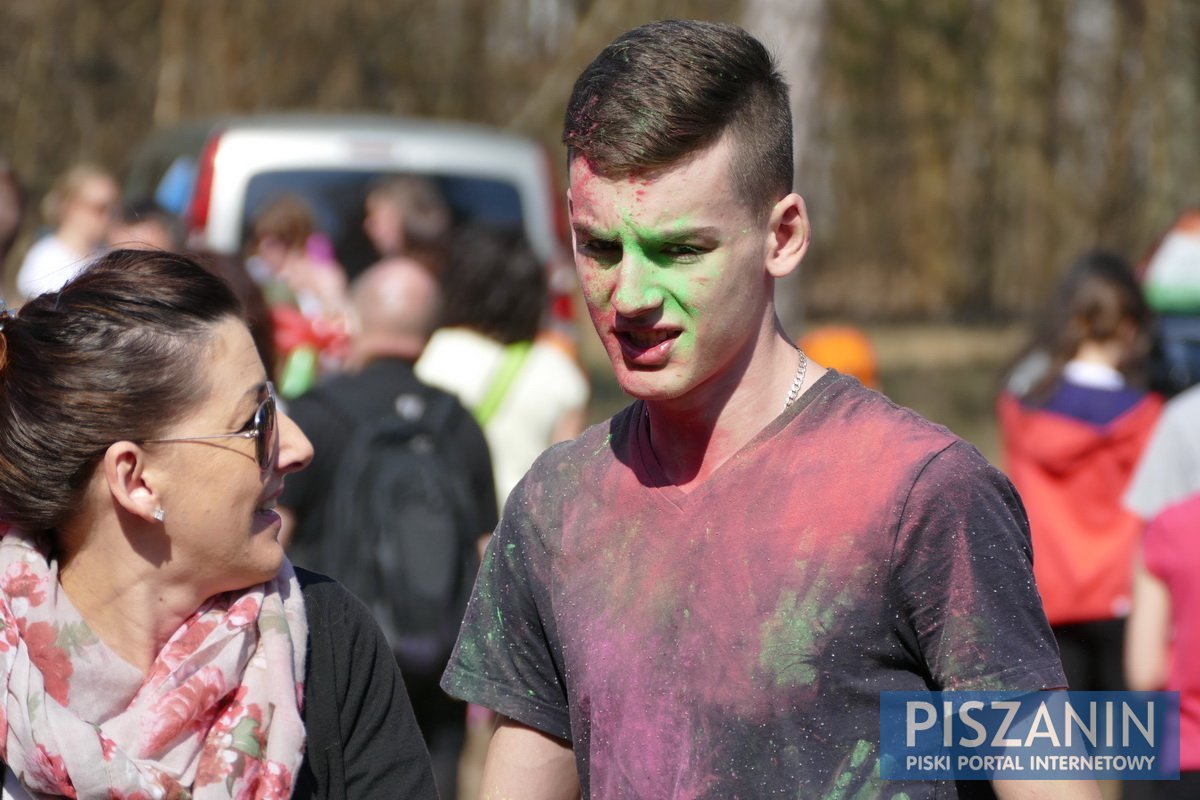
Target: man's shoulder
(597,448)
(858,415)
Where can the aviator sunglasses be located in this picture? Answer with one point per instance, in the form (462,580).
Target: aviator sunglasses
(264,430)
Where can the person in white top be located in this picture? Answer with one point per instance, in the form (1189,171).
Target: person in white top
(525,390)
(81,206)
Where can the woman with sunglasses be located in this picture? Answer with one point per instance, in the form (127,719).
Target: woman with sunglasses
(154,641)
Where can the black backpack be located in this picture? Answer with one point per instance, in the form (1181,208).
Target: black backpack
(401,528)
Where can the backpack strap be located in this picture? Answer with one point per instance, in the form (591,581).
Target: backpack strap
(510,364)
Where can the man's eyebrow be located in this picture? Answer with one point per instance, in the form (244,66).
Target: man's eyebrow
(671,234)
(588,231)
(701,232)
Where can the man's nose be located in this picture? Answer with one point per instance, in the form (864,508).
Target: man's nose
(637,290)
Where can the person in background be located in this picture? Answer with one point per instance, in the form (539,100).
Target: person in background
(1070,445)
(1162,643)
(12,210)
(407,215)
(705,595)
(523,388)
(156,641)
(145,225)
(395,304)
(305,288)
(1169,469)
(526,393)
(81,207)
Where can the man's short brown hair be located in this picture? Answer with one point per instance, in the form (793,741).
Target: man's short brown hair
(668,89)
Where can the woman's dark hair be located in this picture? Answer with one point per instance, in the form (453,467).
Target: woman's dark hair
(113,355)
(1098,300)
(255,312)
(288,218)
(493,283)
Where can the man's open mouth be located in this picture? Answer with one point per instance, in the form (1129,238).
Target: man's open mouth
(645,339)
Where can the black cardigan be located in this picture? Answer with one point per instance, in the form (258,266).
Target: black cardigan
(363,740)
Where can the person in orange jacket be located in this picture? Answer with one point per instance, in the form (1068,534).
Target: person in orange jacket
(1073,422)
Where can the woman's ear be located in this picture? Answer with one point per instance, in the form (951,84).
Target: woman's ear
(128,482)
(788,236)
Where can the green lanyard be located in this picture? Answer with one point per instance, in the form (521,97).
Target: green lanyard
(510,364)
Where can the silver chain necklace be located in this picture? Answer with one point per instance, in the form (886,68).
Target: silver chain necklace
(798,381)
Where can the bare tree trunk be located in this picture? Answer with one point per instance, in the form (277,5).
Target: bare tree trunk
(542,109)
(168,98)
(793,30)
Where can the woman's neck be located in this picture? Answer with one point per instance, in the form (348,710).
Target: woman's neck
(132,605)
(1109,353)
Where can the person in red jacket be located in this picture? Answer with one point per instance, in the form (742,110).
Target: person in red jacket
(1074,421)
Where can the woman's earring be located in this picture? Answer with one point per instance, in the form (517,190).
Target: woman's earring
(159,514)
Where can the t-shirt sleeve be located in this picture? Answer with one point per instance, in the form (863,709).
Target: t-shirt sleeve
(963,571)
(507,657)
(1164,470)
(1164,542)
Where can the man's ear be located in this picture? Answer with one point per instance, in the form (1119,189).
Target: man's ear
(788,234)
(126,476)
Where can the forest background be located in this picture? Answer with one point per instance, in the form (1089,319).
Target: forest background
(955,154)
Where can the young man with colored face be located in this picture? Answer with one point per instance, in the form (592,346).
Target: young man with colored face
(704,596)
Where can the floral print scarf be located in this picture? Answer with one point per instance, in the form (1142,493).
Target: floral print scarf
(216,716)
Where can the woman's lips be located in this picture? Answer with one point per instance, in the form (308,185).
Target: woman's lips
(647,347)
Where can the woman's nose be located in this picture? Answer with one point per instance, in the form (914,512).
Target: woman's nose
(295,450)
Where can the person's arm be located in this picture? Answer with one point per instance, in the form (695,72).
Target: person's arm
(569,425)
(526,763)
(1046,790)
(1148,632)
